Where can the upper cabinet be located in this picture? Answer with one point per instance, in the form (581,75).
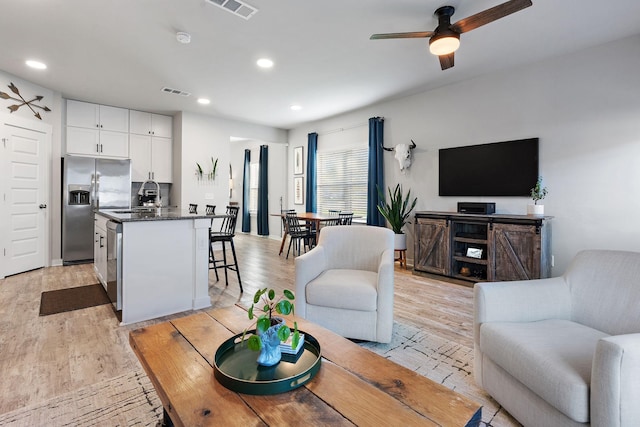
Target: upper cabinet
(97,130)
(150,124)
(150,146)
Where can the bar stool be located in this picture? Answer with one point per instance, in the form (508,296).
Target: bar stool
(210,210)
(226,234)
(193,208)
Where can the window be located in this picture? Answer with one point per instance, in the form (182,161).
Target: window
(342,180)
(253,186)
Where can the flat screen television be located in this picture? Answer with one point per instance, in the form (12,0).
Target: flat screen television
(507,168)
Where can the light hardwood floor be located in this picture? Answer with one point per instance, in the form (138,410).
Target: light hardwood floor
(43,357)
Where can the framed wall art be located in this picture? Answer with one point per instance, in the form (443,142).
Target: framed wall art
(298,160)
(298,190)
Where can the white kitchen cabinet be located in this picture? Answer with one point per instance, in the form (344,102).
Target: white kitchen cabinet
(151,158)
(97,130)
(150,124)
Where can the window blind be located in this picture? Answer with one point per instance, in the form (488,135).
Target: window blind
(342,180)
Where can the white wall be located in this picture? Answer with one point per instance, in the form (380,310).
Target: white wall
(53,100)
(198,138)
(584,108)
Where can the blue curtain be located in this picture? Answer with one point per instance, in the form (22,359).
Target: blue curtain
(263,192)
(312,148)
(376,171)
(246,193)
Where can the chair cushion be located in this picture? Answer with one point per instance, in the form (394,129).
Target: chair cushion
(345,289)
(551,357)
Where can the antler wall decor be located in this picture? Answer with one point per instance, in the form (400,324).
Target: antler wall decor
(23,101)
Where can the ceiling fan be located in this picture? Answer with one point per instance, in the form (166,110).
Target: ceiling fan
(445,39)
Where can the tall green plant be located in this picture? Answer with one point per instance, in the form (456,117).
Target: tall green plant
(398,210)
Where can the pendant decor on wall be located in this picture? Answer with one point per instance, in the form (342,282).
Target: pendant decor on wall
(23,101)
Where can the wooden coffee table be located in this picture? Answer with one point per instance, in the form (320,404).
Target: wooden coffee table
(353,385)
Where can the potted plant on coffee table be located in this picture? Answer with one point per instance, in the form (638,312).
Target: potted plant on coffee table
(271,330)
(538,192)
(397,212)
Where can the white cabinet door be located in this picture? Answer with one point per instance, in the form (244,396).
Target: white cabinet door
(114,144)
(114,119)
(142,123)
(83,114)
(83,141)
(139,122)
(161,126)
(161,159)
(140,153)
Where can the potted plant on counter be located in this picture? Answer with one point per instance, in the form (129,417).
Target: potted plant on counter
(538,192)
(397,212)
(271,330)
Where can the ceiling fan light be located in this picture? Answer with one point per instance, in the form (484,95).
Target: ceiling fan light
(444,44)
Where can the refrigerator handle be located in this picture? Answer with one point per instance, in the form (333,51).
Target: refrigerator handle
(95,184)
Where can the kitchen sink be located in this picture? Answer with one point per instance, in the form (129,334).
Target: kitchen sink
(140,209)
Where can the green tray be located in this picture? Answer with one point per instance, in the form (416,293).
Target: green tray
(235,367)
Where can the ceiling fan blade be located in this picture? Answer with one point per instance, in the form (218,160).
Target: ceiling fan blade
(482,18)
(413,35)
(446,61)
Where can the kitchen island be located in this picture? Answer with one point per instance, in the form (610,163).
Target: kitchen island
(161,265)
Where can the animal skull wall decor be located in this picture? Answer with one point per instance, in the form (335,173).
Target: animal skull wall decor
(403,154)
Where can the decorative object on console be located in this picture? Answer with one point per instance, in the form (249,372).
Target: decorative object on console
(271,330)
(397,213)
(538,192)
(23,101)
(403,154)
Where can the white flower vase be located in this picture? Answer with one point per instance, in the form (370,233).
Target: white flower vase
(535,209)
(400,242)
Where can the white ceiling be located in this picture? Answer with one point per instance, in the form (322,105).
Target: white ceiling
(123,52)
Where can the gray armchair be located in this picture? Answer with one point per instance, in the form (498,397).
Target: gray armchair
(346,282)
(564,351)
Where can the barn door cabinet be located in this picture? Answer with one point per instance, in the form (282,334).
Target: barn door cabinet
(483,247)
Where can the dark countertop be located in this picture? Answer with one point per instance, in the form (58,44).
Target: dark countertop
(152,214)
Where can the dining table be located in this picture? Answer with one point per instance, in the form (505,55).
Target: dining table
(314,219)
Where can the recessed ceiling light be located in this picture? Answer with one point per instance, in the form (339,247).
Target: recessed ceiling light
(36,64)
(204,101)
(183,37)
(296,107)
(264,63)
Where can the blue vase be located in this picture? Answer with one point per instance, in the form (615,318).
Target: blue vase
(270,353)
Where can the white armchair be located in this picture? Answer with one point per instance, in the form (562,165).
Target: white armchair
(564,351)
(345,283)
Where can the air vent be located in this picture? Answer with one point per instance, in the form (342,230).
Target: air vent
(236,7)
(175,91)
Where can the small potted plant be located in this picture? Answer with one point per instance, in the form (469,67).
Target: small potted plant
(538,192)
(397,213)
(271,330)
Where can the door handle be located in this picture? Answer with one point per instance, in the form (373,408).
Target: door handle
(101,238)
(43,206)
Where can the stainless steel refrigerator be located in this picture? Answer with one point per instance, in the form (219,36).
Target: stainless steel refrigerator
(90,184)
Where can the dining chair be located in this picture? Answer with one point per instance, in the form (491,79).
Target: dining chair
(210,210)
(298,234)
(225,235)
(193,208)
(345,218)
(285,227)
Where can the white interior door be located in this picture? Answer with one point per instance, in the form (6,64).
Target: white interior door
(25,196)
